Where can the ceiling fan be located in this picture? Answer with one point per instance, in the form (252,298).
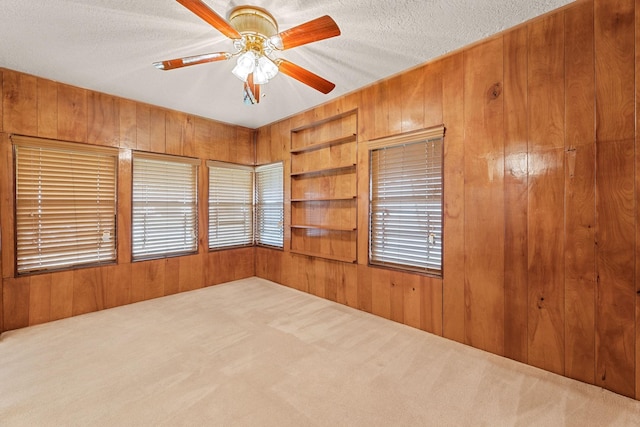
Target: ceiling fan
(255,40)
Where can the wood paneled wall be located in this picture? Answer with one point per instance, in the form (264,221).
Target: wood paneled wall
(38,107)
(542,182)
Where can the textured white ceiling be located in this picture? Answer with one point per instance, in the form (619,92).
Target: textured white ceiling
(109,45)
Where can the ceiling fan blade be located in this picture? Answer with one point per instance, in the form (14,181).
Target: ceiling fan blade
(172,64)
(318,29)
(305,76)
(203,11)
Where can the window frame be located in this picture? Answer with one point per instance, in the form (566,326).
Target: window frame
(195,171)
(422,136)
(20,142)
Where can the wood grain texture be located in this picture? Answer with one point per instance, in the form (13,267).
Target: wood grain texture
(1,129)
(6,206)
(433,94)
(47,109)
(546,92)
(615,64)
(579,258)
(125,186)
(431,316)
(15,299)
(412,107)
(103,127)
(381,292)
(117,285)
(20,103)
(39,299)
(127,124)
(62,295)
(143,127)
(546,260)
(615,263)
(72,113)
(365,288)
(157,133)
(453,265)
(88,291)
(637,278)
(516,131)
(580,285)
(484,196)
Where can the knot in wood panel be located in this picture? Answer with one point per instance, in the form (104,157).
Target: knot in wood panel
(495,91)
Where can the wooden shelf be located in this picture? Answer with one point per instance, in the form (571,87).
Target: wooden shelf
(324,227)
(325,256)
(321,145)
(324,170)
(325,199)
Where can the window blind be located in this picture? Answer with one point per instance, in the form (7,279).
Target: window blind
(230,205)
(406,205)
(65,204)
(270,205)
(164,205)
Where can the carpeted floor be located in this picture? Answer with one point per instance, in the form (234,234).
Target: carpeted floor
(253,353)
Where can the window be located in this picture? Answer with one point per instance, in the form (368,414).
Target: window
(65,204)
(246,205)
(270,205)
(230,205)
(165,220)
(405,201)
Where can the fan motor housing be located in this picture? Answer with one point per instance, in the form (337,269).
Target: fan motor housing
(251,20)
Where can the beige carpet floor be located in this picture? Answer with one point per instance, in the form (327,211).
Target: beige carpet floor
(253,353)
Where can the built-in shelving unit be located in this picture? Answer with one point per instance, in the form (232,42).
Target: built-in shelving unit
(324,189)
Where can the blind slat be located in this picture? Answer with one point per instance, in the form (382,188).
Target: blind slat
(406,204)
(270,205)
(164,204)
(65,204)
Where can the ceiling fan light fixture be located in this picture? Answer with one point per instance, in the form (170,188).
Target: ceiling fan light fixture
(265,71)
(246,65)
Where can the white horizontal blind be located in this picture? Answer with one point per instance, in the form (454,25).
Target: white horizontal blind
(165,221)
(406,205)
(270,205)
(230,205)
(65,204)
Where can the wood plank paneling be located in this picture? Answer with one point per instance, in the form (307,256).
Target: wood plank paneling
(412,107)
(516,132)
(62,295)
(103,119)
(143,127)
(484,196)
(171,276)
(615,62)
(431,308)
(615,257)
(365,288)
(1,129)
(453,207)
(15,299)
(117,285)
(39,299)
(88,292)
(125,186)
(381,292)
(20,103)
(433,94)
(6,205)
(127,124)
(157,133)
(546,194)
(637,278)
(72,113)
(47,109)
(580,194)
